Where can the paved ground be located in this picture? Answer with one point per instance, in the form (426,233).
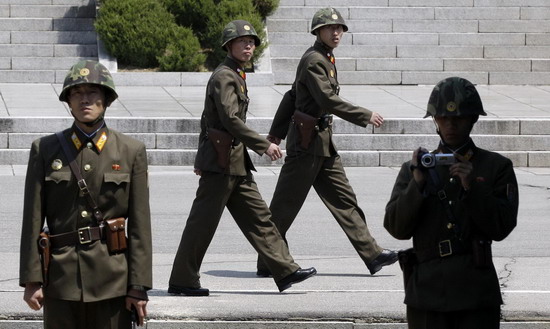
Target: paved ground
(24,100)
(343,294)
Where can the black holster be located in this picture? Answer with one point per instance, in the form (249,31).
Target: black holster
(407,262)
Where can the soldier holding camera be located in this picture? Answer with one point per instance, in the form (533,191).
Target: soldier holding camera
(453,203)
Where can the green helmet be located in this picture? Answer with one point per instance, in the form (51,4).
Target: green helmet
(93,72)
(454,96)
(327,16)
(239,28)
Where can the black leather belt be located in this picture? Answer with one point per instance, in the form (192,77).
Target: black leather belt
(83,235)
(444,248)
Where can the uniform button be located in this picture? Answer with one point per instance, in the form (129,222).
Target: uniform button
(452,180)
(89,145)
(451,202)
(87,167)
(450,226)
(84,213)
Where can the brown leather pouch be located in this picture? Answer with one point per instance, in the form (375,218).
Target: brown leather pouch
(307,125)
(44,247)
(115,235)
(222,142)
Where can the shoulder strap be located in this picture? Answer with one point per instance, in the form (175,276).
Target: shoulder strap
(98,215)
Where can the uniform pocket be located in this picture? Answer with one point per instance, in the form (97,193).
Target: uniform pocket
(58,176)
(117,178)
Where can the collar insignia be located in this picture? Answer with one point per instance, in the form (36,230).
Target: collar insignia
(76,141)
(101,141)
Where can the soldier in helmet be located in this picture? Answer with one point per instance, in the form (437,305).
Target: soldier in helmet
(306,113)
(226,179)
(87,284)
(453,210)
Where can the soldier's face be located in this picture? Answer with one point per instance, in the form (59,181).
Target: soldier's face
(331,35)
(455,131)
(87,102)
(241,49)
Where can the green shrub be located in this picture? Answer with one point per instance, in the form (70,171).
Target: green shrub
(266,7)
(195,14)
(135,31)
(183,53)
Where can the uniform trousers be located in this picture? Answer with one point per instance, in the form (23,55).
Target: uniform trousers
(105,314)
(327,176)
(484,318)
(243,200)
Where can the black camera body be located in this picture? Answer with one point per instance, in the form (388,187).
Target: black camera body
(430,160)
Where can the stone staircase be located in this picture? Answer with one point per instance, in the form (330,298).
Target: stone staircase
(40,39)
(173,141)
(422,41)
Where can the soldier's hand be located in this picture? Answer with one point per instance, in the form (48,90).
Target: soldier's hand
(418,174)
(463,170)
(33,295)
(274,139)
(274,152)
(140,306)
(376,119)
(197,171)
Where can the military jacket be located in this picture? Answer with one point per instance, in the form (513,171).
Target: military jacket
(115,169)
(316,91)
(488,211)
(225,108)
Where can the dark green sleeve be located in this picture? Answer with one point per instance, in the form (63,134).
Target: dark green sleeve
(319,85)
(402,210)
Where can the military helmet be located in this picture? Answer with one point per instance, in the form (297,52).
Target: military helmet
(239,28)
(454,96)
(93,72)
(327,16)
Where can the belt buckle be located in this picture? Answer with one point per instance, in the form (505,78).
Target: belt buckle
(81,235)
(445,248)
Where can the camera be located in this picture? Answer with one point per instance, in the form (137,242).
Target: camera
(430,160)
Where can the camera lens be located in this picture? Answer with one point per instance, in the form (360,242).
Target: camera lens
(427,160)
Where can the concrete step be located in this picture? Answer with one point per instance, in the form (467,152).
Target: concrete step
(50,10)
(37,63)
(173,141)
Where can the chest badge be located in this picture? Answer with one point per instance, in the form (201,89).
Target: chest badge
(331,73)
(116,167)
(57,164)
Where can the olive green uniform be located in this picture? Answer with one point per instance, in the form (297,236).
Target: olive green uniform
(449,289)
(234,187)
(115,169)
(316,92)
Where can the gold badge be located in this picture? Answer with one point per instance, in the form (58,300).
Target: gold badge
(451,106)
(84,72)
(101,142)
(242,89)
(57,164)
(334,16)
(246,27)
(76,141)
(331,73)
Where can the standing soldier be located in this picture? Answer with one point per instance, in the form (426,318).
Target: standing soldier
(79,183)
(453,212)
(226,180)
(312,159)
